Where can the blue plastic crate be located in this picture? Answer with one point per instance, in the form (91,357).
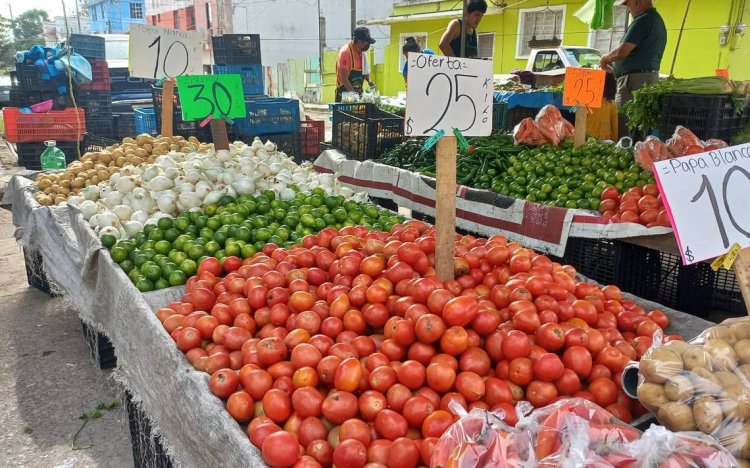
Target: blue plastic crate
(145,121)
(269,115)
(252,76)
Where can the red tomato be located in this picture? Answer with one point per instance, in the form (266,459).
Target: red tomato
(526,320)
(224,382)
(660,318)
(578,359)
(550,336)
(548,368)
(540,393)
(515,344)
(281,449)
(460,311)
(647,327)
(610,193)
(604,391)
(350,453)
(520,371)
(391,425)
(607,204)
(569,383)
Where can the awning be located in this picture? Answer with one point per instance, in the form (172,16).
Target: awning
(426,16)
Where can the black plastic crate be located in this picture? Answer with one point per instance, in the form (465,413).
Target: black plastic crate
(100,127)
(124,125)
(29,153)
(236,49)
(90,47)
(706,115)
(100,347)
(28,77)
(148,451)
(35,271)
(516,114)
(93,143)
(20,98)
(363,131)
(97,104)
(122,82)
(179,126)
(289,143)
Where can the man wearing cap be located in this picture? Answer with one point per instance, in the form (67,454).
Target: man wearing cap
(350,74)
(637,59)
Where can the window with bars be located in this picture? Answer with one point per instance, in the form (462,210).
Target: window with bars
(486,43)
(605,40)
(136,11)
(539,24)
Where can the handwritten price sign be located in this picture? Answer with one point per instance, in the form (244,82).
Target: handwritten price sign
(446,93)
(706,196)
(157,53)
(583,87)
(214,95)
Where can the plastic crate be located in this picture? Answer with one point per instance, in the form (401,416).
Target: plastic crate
(122,82)
(289,143)
(236,49)
(29,77)
(90,47)
(252,76)
(312,133)
(19,98)
(499,115)
(179,126)
(100,127)
(100,347)
(98,104)
(145,121)
(35,271)
(148,451)
(93,143)
(517,114)
(124,125)
(29,153)
(362,131)
(100,77)
(706,115)
(65,125)
(269,115)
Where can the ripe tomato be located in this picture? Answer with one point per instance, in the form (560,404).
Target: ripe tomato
(416,409)
(470,385)
(520,371)
(569,383)
(550,336)
(455,341)
(277,405)
(440,376)
(578,359)
(371,403)
(585,310)
(660,318)
(647,328)
(610,193)
(604,391)
(540,393)
(460,311)
(436,423)
(350,453)
(612,358)
(281,449)
(548,368)
(411,374)
(223,382)
(404,453)
(391,425)
(526,320)
(339,406)
(515,344)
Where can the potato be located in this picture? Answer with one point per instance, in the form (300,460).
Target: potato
(704,381)
(660,364)
(679,388)
(734,436)
(676,416)
(722,353)
(741,329)
(742,348)
(728,379)
(696,356)
(707,414)
(743,373)
(652,396)
(678,347)
(743,463)
(721,332)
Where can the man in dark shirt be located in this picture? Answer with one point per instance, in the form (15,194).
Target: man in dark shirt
(450,43)
(636,61)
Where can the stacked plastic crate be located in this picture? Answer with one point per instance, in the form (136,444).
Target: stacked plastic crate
(95,97)
(275,119)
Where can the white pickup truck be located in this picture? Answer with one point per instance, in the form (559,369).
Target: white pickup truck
(558,58)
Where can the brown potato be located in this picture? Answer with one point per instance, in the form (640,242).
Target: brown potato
(733,435)
(743,373)
(741,329)
(704,381)
(679,388)
(722,353)
(660,364)
(721,332)
(707,414)
(652,396)
(728,401)
(742,348)
(696,356)
(678,347)
(676,416)
(728,379)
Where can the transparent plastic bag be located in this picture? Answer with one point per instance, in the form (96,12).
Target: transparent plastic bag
(702,385)
(575,448)
(481,438)
(552,125)
(527,132)
(649,151)
(546,427)
(684,142)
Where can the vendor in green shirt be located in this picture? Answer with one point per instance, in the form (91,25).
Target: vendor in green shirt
(636,61)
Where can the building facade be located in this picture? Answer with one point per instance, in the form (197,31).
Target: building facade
(115,16)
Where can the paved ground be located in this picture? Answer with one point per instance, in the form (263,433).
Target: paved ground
(47,377)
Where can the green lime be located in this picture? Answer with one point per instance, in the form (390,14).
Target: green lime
(153,272)
(232,249)
(162,247)
(127,265)
(226,200)
(161,283)
(148,228)
(207,233)
(243,233)
(213,223)
(321,224)
(196,251)
(108,240)
(210,209)
(165,223)
(250,206)
(189,267)
(201,222)
(177,278)
(118,254)
(212,247)
(139,260)
(340,214)
(308,220)
(181,223)
(156,235)
(248,251)
(134,275)
(144,285)
(263,234)
(171,234)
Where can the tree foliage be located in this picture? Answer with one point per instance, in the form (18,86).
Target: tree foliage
(27,28)
(7,48)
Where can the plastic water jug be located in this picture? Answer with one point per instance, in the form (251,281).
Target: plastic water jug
(52,157)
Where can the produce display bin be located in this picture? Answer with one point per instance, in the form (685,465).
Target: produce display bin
(124,124)
(29,153)
(122,82)
(289,143)
(64,125)
(93,143)
(35,271)
(179,126)
(312,133)
(252,76)
(362,131)
(98,104)
(100,347)
(269,115)
(19,98)
(499,116)
(706,115)
(145,121)
(100,127)
(148,451)
(236,49)
(29,77)
(100,77)
(90,47)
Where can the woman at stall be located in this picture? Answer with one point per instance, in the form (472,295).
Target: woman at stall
(411,45)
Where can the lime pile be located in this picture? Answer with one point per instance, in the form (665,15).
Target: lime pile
(168,253)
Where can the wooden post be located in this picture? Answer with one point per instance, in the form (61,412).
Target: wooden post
(742,271)
(445,207)
(579,138)
(167,108)
(219,134)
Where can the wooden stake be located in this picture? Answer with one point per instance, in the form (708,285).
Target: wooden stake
(167,108)
(742,271)
(579,138)
(445,207)
(219,134)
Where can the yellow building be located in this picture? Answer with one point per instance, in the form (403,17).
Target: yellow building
(712,36)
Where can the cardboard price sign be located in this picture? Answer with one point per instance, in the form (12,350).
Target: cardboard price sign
(706,196)
(215,95)
(446,93)
(157,53)
(583,87)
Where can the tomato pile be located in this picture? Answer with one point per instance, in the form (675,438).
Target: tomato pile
(637,205)
(347,349)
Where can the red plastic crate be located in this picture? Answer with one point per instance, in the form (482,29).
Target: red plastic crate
(100,77)
(312,133)
(64,125)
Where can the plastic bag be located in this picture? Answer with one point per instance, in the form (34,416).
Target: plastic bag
(547,427)
(702,385)
(684,142)
(527,132)
(574,450)
(552,125)
(481,438)
(649,151)
(661,447)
